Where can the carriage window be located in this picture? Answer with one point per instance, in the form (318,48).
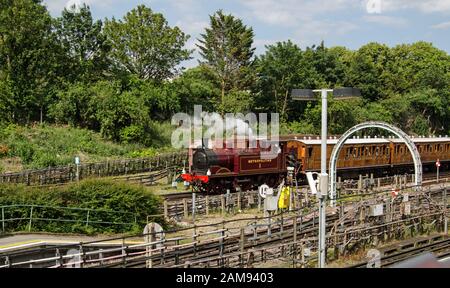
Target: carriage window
(310,150)
(348,153)
(441,148)
(430,148)
(377,151)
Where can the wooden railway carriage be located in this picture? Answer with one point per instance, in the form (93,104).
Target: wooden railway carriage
(215,170)
(373,155)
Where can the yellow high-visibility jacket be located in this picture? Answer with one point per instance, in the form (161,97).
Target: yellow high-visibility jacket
(283,201)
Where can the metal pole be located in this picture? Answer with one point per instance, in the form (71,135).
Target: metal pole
(31,218)
(193,206)
(323,171)
(437,174)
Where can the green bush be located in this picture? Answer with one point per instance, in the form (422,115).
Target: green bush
(111,201)
(131,134)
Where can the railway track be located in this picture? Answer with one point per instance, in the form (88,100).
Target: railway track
(281,234)
(173,253)
(230,245)
(427,180)
(441,249)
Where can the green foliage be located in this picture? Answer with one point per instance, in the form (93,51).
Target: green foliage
(6,101)
(298,127)
(197,86)
(115,110)
(151,152)
(84,44)
(226,47)
(30,58)
(73,106)
(109,198)
(282,68)
(237,102)
(144,45)
(368,70)
(122,79)
(44,146)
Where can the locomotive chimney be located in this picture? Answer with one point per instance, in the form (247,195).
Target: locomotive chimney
(205,143)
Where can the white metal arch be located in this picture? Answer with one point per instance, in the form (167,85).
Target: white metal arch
(373,124)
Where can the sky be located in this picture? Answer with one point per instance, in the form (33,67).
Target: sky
(349,23)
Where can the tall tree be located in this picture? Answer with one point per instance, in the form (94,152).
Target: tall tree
(369,72)
(83,42)
(197,86)
(418,65)
(145,45)
(279,72)
(226,47)
(28,56)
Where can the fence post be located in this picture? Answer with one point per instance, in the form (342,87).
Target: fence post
(242,247)
(87,219)
(3,219)
(31,218)
(239,201)
(222,203)
(259,202)
(166,210)
(185,208)
(207,204)
(150,239)
(445,212)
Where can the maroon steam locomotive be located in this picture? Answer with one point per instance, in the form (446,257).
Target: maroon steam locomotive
(215,170)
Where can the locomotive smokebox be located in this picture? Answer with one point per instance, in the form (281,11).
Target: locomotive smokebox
(205,159)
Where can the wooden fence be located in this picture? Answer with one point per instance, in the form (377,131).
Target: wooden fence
(72,172)
(233,202)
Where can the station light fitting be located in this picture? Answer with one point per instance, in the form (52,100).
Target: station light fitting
(341,93)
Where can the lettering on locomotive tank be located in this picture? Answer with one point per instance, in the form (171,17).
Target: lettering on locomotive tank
(255,161)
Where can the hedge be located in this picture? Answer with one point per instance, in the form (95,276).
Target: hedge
(110,201)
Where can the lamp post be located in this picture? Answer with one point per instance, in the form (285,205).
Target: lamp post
(308,95)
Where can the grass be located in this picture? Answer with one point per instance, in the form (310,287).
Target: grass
(42,146)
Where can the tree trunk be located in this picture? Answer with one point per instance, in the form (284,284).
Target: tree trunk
(285,104)
(41,115)
(276,101)
(223,96)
